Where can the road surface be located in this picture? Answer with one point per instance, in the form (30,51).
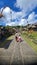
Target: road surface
(18,54)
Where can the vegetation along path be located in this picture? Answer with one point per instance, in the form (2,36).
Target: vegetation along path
(18,53)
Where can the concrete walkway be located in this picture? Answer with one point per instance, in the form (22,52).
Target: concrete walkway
(17,54)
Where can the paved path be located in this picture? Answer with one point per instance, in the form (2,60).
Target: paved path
(17,54)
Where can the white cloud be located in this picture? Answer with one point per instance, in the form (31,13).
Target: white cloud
(23,22)
(31,18)
(26,5)
(10,23)
(17,15)
(7,13)
(10,15)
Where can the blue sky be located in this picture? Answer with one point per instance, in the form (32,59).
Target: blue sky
(9,3)
(18,12)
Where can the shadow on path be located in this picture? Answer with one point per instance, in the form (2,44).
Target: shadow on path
(5,44)
(25,63)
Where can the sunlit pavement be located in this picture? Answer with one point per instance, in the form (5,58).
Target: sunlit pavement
(18,53)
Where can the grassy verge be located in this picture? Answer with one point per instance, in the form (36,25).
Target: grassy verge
(29,41)
(6,41)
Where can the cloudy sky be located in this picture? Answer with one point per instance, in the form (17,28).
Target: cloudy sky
(18,12)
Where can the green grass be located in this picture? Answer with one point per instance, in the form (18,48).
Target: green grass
(29,41)
(34,34)
(6,41)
